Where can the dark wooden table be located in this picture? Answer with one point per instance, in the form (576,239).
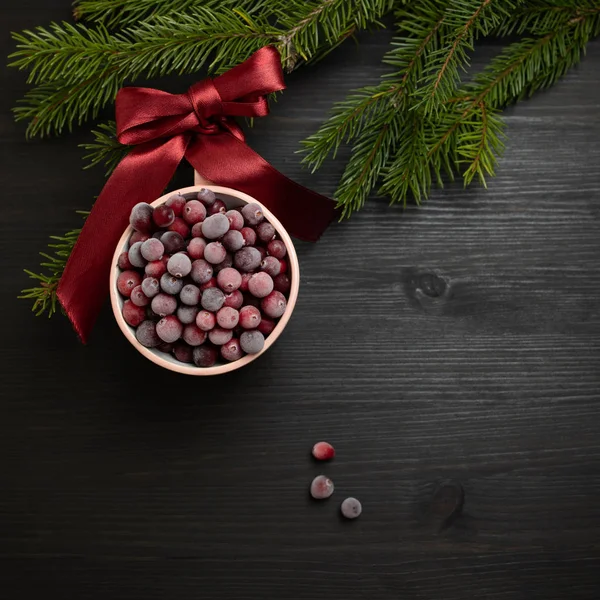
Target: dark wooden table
(455,342)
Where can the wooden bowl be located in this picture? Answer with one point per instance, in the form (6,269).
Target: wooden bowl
(232,198)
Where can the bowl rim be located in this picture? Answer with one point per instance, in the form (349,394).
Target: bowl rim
(190,369)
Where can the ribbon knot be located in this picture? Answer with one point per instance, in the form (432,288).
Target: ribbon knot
(164,129)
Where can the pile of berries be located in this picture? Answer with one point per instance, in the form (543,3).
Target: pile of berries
(200,281)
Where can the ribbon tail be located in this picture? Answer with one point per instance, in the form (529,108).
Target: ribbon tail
(140,177)
(228,161)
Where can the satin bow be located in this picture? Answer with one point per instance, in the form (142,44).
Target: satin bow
(163,129)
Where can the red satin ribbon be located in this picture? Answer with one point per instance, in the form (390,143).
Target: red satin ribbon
(165,128)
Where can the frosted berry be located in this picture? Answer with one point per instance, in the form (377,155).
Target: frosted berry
(218,206)
(233,240)
(206,320)
(152,249)
(128,280)
(156,268)
(215,226)
(206,196)
(212,299)
(201,271)
(225,263)
(252,213)
(321,487)
(141,217)
(205,356)
(274,304)
(193,335)
(163,216)
(194,212)
(249,317)
(252,342)
(251,300)
(187,314)
(179,265)
(282,283)
(247,259)
(211,283)
(176,203)
(180,227)
(235,299)
(260,285)
(196,248)
(271,265)
(182,352)
(265,232)
(146,334)
(135,255)
(266,326)
(138,297)
(136,236)
(276,248)
(283,266)
(227,317)
(133,314)
(249,236)
(163,305)
(164,347)
(173,242)
(232,350)
(263,252)
(219,336)
(351,508)
(169,329)
(323,451)
(123,262)
(236,221)
(229,279)
(196,231)
(215,253)
(245,280)
(190,294)
(150,287)
(171,284)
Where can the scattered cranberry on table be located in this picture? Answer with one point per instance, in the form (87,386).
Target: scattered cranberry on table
(201,282)
(323,451)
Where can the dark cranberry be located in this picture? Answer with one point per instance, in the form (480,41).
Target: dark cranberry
(197,230)
(205,356)
(274,304)
(218,206)
(277,248)
(212,299)
(236,221)
(141,217)
(136,236)
(176,202)
(163,216)
(282,283)
(271,265)
(173,242)
(146,334)
(249,236)
(233,240)
(183,352)
(247,259)
(133,314)
(206,196)
(252,342)
(180,227)
(252,213)
(201,271)
(265,232)
(123,262)
(266,326)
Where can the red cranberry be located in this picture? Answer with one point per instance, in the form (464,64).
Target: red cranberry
(282,283)
(265,232)
(157,268)
(271,265)
(138,297)
(123,262)
(249,236)
(180,226)
(234,300)
(133,314)
(274,304)
(136,236)
(266,326)
(211,283)
(163,216)
(218,206)
(323,451)
(249,317)
(277,248)
(245,280)
(236,221)
(227,317)
(176,202)
(193,335)
(194,212)
(232,350)
(260,284)
(196,248)
(128,280)
(205,320)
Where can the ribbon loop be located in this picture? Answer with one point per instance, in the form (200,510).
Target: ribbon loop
(165,128)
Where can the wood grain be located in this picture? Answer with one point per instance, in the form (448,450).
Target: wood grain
(454,343)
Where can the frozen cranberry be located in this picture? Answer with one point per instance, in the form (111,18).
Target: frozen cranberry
(196,248)
(215,226)
(321,487)
(260,285)
(252,213)
(135,255)
(156,268)
(218,206)
(194,212)
(251,300)
(136,236)
(187,314)
(351,508)
(236,221)
(211,283)
(249,236)
(197,230)
(141,217)
(166,348)
(201,271)
(235,299)
(179,265)
(249,317)
(206,320)
(245,280)
(225,263)
(263,252)
(212,299)
(171,284)
(232,350)
(206,196)
(282,283)
(219,336)
(193,335)
(123,262)
(283,266)
(180,227)
(205,356)
(271,265)
(276,248)
(190,294)
(152,249)
(163,305)
(150,287)
(323,451)
(247,259)
(265,232)
(173,242)
(138,297)
(128,280)
(274,304)
(133,314)
(146,334)
(169,329)
(228,317)
(183,352)
(266,326)
(233,240)
(252,342)
(229,279)
(176,203)
(163,216)
(215,253)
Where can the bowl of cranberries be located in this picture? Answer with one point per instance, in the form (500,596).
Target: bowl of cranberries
(204,281)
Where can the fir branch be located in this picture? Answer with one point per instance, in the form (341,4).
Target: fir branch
(53,264)
(105,148)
